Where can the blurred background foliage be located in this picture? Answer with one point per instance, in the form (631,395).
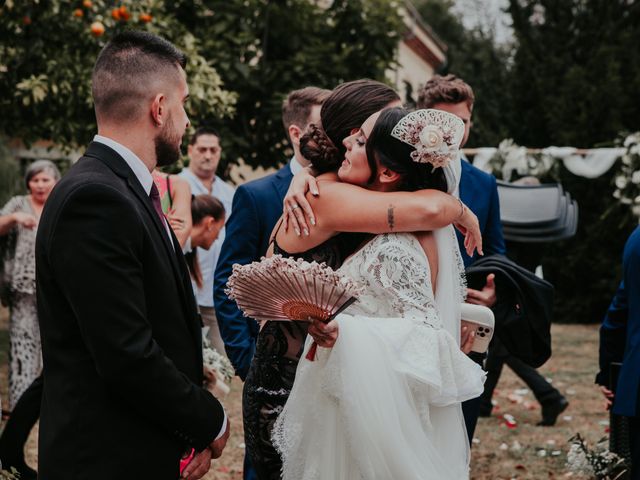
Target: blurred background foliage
(244,57)
(569,75)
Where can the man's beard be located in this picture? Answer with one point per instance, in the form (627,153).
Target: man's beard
(167,145)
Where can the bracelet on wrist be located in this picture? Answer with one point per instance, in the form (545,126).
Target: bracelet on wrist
(463,208)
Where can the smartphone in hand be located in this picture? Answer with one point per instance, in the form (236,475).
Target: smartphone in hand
(484,319)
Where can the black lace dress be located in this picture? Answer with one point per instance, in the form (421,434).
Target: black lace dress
(273,368)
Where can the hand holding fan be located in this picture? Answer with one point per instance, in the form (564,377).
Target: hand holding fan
(279,288)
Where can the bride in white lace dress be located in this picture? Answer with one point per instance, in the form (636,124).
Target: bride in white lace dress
(385,402)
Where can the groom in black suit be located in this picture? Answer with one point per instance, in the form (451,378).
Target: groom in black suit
(120,332)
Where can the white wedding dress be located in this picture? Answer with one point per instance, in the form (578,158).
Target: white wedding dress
(385,402)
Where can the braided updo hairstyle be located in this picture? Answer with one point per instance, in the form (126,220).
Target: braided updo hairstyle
(394,154)
(348,106)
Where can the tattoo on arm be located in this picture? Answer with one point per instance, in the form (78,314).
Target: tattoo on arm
(390,218)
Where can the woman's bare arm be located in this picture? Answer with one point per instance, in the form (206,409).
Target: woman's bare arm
(180,214)
(299,214)
(296,205)
(9,221)
(348,208)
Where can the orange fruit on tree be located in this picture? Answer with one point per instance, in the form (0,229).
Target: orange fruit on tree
(145,17)
(115,13)
(78,13)
(97,29)
(86,3)
(124,13)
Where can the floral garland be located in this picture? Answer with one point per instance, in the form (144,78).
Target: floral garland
(512,161)
(213,360)
(627,182)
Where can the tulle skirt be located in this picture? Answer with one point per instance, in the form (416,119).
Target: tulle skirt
(383,403)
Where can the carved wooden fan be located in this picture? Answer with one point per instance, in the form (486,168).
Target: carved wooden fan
(279,288)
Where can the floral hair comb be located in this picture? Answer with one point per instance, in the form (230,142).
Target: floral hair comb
(435,135)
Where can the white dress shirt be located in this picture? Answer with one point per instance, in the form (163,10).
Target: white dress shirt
(295,165)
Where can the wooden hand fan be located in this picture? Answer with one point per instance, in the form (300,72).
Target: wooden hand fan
(279,288)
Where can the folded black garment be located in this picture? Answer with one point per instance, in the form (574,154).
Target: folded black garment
(523,309)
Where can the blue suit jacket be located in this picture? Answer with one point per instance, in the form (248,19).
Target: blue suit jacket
(479,192)
(257,206)
(620,333)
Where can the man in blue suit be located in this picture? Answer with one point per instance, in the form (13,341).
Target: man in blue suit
(620,342)
(479,191)
(257,206)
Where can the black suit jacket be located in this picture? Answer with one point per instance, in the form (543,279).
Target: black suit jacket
(120,333)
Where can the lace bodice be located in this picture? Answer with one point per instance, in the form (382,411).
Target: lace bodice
(395,272)
(394,361)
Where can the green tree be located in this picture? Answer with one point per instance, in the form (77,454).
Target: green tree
(265,49)
(474,56)
(47,52)
(574,71)
(10,181)
(574,82)
(250,51)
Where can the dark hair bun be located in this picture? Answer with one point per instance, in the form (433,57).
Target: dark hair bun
(318,148)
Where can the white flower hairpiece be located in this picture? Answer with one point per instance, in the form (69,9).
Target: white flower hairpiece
(435,134)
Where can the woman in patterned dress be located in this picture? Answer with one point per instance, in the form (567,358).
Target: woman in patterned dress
(18,224)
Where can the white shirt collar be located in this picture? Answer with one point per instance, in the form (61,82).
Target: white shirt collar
(140,170)
(295,165)
(200,183)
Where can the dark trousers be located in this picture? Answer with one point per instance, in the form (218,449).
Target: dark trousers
(634,431)
(544,392)
(471,408)
(23,417)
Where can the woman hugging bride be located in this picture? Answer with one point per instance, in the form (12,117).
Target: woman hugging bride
(382,399)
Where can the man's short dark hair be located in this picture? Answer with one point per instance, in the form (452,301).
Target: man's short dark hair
(125,69)
(203,131)
(296,108)
(445,89)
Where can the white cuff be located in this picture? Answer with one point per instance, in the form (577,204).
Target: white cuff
(187,245)
(224,427)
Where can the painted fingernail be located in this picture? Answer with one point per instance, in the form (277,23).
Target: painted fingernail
(313,221)
(298,231)
(315,193)
(306,232)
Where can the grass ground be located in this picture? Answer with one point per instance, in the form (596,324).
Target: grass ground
(499,452)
